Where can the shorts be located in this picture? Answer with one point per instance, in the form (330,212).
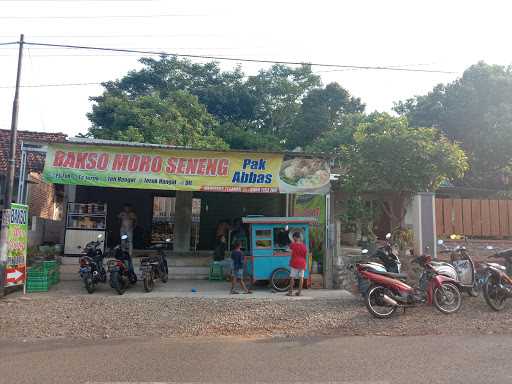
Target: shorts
(238,273)
(296,273)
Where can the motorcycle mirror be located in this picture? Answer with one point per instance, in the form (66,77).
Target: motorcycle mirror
(364,251)
(100,236)
(124,237)
(79,247)
(440,242)
(388,236)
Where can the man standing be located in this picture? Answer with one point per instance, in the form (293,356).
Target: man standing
(128,219)
(297,263)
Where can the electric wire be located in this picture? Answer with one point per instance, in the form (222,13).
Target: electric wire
(238,59)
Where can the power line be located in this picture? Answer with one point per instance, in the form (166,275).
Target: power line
(238,59)
(50,85)
(10,43)
(98,16)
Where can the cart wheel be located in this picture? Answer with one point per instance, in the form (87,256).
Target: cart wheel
(280,279)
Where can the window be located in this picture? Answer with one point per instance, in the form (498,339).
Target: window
(281,239)
(263,233)
(264,244)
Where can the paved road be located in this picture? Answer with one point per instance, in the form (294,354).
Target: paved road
(371,360)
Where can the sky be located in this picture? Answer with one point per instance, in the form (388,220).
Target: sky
(435,35)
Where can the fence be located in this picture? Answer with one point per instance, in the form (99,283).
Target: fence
(472,217)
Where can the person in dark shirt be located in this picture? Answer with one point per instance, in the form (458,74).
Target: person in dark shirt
(238,269)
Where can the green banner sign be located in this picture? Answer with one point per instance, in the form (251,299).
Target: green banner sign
(184,169)
(17,245)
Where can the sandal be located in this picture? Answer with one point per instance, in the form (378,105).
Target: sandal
(248,292)
(233,292)
(289,294)
(298,294)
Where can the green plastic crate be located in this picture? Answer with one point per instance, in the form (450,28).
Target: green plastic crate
(50,265)
(216,271)
(37,272)
(38,284)
(54,277)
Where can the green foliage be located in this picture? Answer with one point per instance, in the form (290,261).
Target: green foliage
(178,119)
(389,157)
(278,108)
(475,110)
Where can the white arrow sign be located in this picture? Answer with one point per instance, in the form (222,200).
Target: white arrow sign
(14,275)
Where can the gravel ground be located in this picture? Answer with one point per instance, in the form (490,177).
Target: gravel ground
(112,317)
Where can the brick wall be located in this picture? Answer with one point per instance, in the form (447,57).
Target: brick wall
(43,199)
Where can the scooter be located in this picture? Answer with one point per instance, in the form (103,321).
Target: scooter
(461,268)
(154,267)
(388,291)
(121,275)
(498,284)
(389,262)
(92,271)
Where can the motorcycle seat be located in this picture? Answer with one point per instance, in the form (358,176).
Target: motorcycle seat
(505,253)
(149,259)
(391,274)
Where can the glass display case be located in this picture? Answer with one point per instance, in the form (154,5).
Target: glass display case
(84,222)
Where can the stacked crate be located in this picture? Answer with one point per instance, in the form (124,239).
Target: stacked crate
(42,277)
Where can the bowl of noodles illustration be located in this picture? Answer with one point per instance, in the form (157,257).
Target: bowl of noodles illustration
(304,175)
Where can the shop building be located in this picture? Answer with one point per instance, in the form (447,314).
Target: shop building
(179,194)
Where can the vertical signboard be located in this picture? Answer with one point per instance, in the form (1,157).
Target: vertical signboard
(313,206)
(17,245)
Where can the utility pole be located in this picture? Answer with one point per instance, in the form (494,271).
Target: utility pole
(11,172)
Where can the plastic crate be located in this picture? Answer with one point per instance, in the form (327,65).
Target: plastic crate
(49,265)
(38,284)
(53,277)
(216,271)
(36,272)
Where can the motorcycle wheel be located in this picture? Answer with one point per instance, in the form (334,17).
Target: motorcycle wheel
(89,285)
(149,283)
(164,277)
(117,284)
(492,296)
(280,279)
(376,305)
(474,291)
(447,298)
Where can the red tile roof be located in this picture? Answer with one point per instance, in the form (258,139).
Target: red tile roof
(35,161)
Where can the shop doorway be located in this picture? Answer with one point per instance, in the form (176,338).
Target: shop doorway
(164,221)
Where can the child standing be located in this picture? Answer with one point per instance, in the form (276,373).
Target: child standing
(238,268)
(297,263)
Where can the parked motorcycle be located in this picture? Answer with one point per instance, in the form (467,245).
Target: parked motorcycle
(461,268)
(498,284)
(120,270)
(388,262)
(388,291)
(92,271)
(154,267)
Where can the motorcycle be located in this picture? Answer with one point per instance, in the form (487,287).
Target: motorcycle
(498,284)
(120,270)
(461,268)
(92,271)
(389,262)
(154,267)
(388,291)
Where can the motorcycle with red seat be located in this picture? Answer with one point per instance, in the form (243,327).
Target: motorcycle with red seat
(389,291)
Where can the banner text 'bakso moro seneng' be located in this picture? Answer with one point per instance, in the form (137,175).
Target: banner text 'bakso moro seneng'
(187,170)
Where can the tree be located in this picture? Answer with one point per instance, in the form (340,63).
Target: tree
(475,110)
(397,161)
(178,119)
(278,108)
(322,112)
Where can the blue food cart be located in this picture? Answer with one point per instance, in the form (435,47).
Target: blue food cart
(268,255)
